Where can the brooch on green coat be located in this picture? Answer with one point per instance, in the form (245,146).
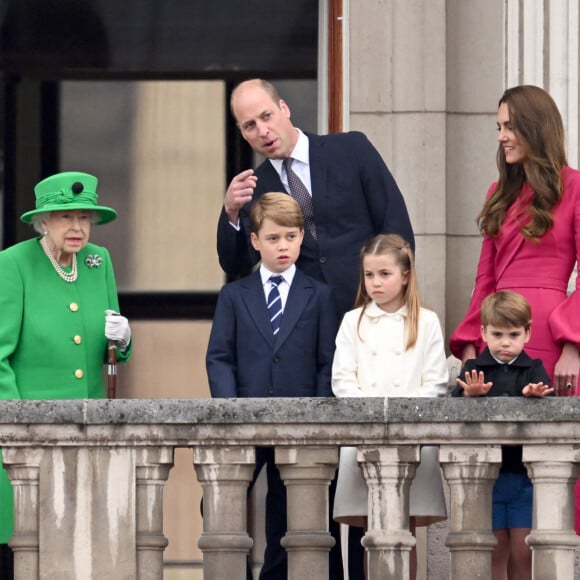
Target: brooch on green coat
(93,261)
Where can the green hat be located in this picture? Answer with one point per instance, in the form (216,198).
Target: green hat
(68,191)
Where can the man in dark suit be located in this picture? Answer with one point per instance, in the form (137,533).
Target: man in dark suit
(354,198)
(354,195)
(273,336)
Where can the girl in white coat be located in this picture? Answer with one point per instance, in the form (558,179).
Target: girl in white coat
(389,346)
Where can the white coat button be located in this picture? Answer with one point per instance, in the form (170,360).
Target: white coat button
(77,339)
(74,306)
(79,374)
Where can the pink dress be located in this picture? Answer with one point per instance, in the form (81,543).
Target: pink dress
(540,271)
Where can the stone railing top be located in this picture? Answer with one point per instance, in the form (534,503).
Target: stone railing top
(290,421)
(290,410)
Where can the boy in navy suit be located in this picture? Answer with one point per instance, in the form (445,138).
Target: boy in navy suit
(273,336)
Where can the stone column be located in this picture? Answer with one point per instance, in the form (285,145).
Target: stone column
(471,473)
(553,470)
(152,467)
(23,466)
(307,473)
(224,473)
(388,472)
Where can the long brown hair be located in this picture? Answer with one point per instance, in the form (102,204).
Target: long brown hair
(396,246)
(537,123)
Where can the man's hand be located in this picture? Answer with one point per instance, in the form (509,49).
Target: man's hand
(239,193)
(537,390)
(474,384)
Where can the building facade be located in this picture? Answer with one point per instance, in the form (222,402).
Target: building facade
(142,103)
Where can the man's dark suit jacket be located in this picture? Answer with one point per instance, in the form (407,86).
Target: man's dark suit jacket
(245,359)
(355,198)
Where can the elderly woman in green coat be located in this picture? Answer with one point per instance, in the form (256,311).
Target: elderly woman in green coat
(58,304)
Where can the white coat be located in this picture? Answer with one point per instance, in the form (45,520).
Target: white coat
(371,361)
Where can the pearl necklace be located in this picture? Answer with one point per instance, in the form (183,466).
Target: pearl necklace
(66,276)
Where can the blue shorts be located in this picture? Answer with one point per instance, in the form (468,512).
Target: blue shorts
(512,501)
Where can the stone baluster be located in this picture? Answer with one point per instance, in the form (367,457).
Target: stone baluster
(388,472)
(23,466)
(471,473)
(224,473)
(553,471)
(307,473)
(152,466)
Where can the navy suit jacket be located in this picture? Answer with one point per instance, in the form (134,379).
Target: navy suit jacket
(245,359)
(355,198)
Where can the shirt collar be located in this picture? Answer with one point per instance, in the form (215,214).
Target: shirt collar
(497,360)
(301,152)
(288,274)
(486,359)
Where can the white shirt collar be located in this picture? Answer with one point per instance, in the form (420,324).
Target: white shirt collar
(300,152)
(502,362)
(288,274)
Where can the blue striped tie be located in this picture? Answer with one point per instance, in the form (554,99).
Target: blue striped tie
(275,303)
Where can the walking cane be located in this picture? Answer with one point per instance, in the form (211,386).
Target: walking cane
(111,369)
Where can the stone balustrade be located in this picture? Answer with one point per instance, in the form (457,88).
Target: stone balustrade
(88,479)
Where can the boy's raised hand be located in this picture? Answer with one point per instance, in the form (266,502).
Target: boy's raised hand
(474,384)
(536,390)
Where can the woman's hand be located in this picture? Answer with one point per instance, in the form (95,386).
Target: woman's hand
(468,352)
(566,371)
(117,328)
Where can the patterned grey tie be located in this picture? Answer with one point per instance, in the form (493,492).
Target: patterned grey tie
(299,192)
(275,303)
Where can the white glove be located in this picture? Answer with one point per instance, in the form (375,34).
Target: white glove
(117,328)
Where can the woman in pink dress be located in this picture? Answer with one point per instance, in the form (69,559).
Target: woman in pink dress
(530,224)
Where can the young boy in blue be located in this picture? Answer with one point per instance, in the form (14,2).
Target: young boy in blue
(273,336)
(503,369)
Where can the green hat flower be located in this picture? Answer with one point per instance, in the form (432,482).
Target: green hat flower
(68,191)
